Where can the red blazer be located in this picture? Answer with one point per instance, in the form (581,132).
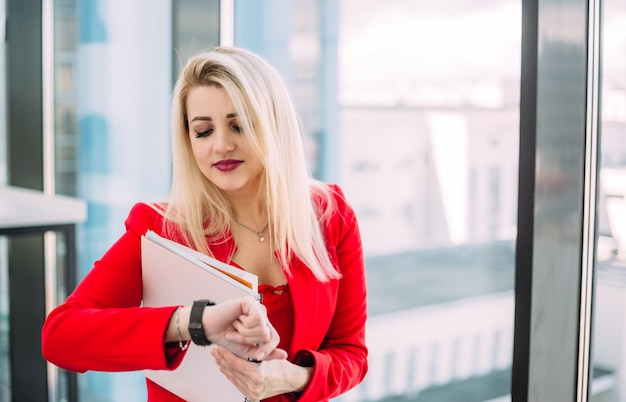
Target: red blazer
(102,327)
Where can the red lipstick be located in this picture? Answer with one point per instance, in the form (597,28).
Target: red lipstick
(227,165)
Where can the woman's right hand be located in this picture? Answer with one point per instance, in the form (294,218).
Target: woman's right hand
(241,326)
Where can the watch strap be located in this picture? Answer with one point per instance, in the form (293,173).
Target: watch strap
(196,330)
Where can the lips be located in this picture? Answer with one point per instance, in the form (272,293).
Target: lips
(227,165)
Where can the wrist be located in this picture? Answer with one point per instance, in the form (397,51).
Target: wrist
(183,345)
(177,327)
(195,327)
(183,322)
(300,380)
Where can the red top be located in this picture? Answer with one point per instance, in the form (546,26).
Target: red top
(102,327)
(280,313)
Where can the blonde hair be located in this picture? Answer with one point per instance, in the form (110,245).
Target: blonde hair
(199,210)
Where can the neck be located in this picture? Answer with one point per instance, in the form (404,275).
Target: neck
(253,216)
(248,208)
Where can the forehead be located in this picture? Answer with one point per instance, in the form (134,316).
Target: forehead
(212,103)
(207,97)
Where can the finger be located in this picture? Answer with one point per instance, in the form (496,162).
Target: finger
(254,340)
(251,326)
(235,367)
(277,354)
(253,308)
(257,336)
(227,363)
(268,347)
(218,356)
(252,322)
(227,360)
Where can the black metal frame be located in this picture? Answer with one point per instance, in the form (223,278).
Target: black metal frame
(526,201)
(27,310)
(556,187)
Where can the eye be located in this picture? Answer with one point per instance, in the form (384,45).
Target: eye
(205,133)
(237,128)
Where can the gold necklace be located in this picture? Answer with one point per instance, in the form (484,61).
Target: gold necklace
(261,237)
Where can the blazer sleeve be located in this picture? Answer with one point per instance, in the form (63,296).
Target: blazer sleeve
(340,363)
(101,326)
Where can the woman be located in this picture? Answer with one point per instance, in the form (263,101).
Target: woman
(240,193)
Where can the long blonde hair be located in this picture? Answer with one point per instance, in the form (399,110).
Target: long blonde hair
(199,210)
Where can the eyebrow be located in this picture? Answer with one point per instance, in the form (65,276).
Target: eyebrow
(208,118)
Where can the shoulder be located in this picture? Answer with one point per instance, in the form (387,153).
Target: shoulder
(333,207)
(145,216)
(330,197)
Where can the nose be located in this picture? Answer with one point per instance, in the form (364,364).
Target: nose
(224,142)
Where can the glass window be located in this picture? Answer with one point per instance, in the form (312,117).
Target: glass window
(114,66)
(5,379)
(65,96)
(440,144)
(290,34)
(413,109)
(196,27)
(609,359)
(3,91)
(112,85)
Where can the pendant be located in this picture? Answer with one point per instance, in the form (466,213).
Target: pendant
(261,237)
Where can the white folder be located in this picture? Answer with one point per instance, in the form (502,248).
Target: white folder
(173,274)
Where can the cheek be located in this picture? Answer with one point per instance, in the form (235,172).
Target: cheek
(201,161)
(197,150)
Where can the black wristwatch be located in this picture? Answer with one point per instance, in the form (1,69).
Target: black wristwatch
(195,322)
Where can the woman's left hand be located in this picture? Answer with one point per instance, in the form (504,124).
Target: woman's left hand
(275,375)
